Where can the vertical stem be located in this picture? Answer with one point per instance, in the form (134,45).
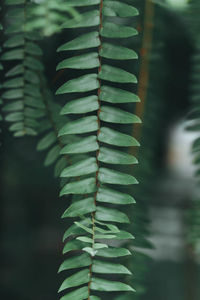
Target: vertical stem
(144,67)
(24,57)
(98,131)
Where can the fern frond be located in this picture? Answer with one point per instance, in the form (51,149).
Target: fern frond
(97,230)
(22,95)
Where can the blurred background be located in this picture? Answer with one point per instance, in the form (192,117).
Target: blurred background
(165,220)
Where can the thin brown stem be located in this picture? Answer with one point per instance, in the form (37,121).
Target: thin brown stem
(98,131)
(143,80)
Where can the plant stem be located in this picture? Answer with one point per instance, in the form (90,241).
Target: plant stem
(98,131)
(143,80)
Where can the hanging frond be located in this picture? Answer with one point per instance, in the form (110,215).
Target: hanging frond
(96,117)
(22,95)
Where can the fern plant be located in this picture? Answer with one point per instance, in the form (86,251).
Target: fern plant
(22,95)
(92,180)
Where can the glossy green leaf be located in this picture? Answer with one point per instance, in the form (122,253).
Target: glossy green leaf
(115,95)
(108,268)
(46,141)
(80,294)
(115,177)
(85,186)
(85,41)
(123,235)
(76,279)
(113,252)
(72,246)
(109,286)
(83,167)
(115,197)
(85,239)
(119,9)
(60,165)
(87,19)
(84,145)
(81,106)
(116,157)
(113,137)
(116,115)
(84,61)
(80,261)
(100,246)
(83,125)
(114,74)
(80,208)
(82,84)
(117,52)
(111,30)
(52,155)
(111,215)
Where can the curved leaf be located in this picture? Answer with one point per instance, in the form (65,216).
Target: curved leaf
(119,9)
(116,115)
(116,75)
(84,61)
(82,84)
(113,137)
(81,106)
(115,157)
(85,41)
(80,208)
(83,125)
(84,145)
(111,30)
(85,186)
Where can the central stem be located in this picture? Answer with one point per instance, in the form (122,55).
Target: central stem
(98,131)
